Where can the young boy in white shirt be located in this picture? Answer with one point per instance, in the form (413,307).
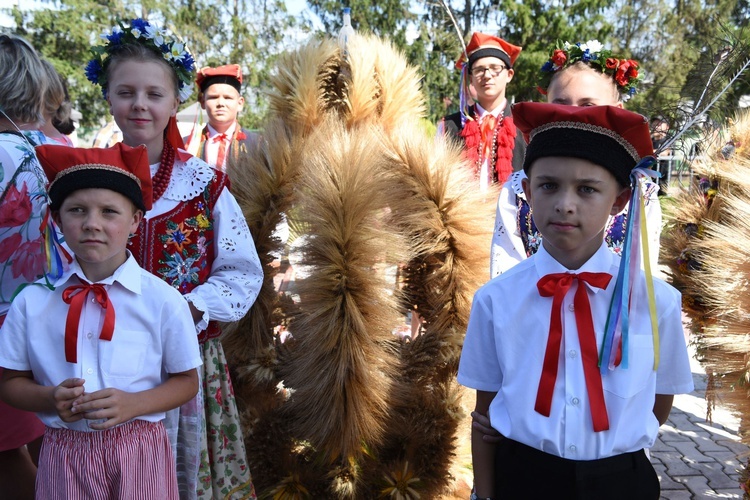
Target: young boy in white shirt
(104,350)
(573,375)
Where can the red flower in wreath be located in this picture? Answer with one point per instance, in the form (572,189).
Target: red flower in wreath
(632,70)
(559,58)
(621,75)
(611,63)
(16,207)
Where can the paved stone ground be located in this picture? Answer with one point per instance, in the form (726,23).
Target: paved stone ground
(694,459)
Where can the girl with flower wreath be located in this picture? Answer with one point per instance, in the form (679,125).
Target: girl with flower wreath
(23,86)
(582,74)
(195,237)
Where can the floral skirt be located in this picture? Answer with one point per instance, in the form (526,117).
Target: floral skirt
(224,472)
(210,451)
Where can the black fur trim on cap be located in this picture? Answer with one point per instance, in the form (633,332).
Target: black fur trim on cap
(579,143)
(489,52)
(94,178)
(229,80)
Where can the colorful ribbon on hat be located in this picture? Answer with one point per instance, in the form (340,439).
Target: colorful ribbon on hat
(614,350)
(463,102)
(75,296)
(54,252)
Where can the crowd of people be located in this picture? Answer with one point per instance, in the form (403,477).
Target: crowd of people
(132,392)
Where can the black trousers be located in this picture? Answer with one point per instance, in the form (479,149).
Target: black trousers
(522,472)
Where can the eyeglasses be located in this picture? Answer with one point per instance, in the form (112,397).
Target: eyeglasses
(494,70)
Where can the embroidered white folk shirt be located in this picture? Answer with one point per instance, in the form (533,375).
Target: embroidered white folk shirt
(504,350)
(153,336)
(236,273)
(507,247)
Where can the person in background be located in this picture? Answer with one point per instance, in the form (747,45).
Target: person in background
(57,108)
(583,74)
(485,129)
(220,95)
(23,87)
(659,130)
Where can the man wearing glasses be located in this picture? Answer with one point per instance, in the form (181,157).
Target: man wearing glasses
(486,128)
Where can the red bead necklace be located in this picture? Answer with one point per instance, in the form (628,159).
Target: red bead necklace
(164,174)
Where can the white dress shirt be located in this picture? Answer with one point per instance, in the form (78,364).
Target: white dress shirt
(153,336)
(211,147)
(505,346)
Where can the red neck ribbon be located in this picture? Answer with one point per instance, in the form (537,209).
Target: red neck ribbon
(75,296)
(487,128)
(556,286)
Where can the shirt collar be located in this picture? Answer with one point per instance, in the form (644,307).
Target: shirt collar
(213,133)
(600,262)
(496,112)
(128,275)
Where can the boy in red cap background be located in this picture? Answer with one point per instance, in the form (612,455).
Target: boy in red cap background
(486,128)
(127,352)
(576,354)
(220,95)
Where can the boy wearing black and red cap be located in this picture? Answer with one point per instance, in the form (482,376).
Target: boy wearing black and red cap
(575,353)
(486,128)
(102,379)
(220,95)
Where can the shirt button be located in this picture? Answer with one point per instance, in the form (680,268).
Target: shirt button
(571,307)
(572,353)
(89,335)
(575,401)
(90,371)
(572,448)
(93,300)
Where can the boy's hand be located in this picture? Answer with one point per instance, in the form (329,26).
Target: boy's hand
(64,396)
(111,405)
(482,424)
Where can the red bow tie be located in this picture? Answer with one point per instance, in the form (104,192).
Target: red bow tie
(75,296)
(556,286)
(219,138)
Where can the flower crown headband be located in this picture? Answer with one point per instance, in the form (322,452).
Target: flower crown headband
(623,71)
(160,41)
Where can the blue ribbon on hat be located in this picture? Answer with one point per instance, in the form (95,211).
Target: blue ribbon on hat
(617,327)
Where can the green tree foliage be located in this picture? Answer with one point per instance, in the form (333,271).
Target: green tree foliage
(668,38)
(249,33)
(64,36)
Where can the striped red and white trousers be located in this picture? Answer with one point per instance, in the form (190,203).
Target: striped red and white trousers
(131,461)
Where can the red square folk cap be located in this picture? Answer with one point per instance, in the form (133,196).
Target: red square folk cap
(609,136)
(482,45)
(119,168)
(231,74)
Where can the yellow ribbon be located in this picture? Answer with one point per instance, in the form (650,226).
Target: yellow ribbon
(649,278)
